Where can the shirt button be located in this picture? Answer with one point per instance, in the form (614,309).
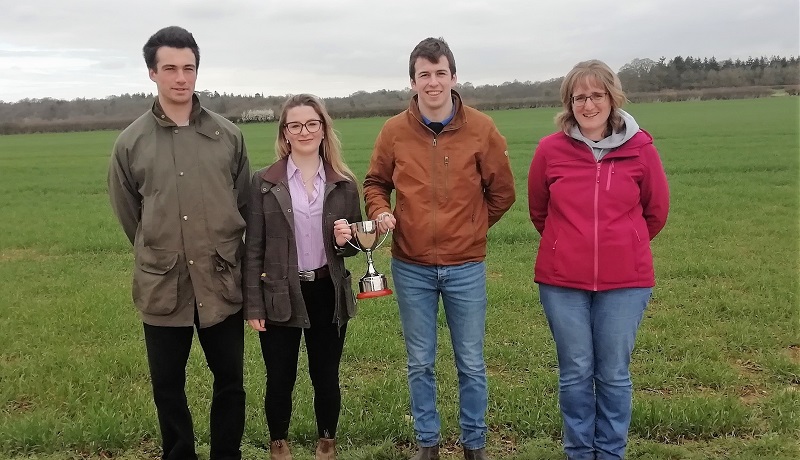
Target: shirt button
(176,131)
(163,116)
(185,217)
(191,262)
(200,304)
(180,173)
(216,132)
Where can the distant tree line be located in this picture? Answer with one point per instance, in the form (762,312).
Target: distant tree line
(646,75)
(644,80)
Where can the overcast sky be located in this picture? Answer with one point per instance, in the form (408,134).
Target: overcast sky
(92,48)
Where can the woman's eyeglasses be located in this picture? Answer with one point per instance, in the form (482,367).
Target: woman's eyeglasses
(295,127)
(595,97)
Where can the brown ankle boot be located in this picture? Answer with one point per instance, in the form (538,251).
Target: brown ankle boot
(475,454)
(326,449)
(279,450)
(427,453)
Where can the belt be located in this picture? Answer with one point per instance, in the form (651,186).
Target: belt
(316,274)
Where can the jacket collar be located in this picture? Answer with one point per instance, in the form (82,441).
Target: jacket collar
(276,173)
(459,117)
(631,148)
(199,118)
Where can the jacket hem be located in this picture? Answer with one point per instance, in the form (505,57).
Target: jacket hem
(589,286)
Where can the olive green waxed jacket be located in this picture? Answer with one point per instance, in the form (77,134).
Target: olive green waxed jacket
(180,194)
(272,284)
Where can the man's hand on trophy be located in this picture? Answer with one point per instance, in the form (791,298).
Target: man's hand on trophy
(386,222)
(341,232)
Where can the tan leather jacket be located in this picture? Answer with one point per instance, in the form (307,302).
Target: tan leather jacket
(449,188)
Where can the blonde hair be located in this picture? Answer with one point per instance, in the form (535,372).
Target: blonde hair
(330,149)
(596,71)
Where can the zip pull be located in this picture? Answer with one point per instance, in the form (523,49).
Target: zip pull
(434,142)
(597,176)
(610,172)
(446,173)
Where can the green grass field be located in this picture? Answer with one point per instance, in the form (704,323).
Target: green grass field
(716,368)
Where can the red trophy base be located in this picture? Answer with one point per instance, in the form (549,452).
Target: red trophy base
(372,294)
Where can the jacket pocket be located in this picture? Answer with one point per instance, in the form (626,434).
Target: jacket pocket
(572,257)
(277,300)
(480,222)
(347,297)
(545,255)
(643,255)
(228,271)
(155,281)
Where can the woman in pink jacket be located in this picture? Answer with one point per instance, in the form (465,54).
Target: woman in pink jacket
(597,194)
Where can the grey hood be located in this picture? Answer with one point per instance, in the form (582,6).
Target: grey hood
(603,146)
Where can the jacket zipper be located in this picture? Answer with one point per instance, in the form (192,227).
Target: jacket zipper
(434,201)
(596,226)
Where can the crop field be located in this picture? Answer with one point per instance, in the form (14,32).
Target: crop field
(716,368)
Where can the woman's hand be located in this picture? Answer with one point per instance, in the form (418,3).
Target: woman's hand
(257,324)
(342,232)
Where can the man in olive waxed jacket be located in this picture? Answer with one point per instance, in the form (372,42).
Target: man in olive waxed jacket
(178,183)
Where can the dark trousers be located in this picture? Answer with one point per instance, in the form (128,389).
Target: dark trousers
(280,347)
(167,354)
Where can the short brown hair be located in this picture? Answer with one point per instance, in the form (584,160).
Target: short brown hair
(431,49)
(172,37)
(597,71)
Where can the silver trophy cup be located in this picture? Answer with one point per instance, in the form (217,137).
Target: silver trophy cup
(365,235)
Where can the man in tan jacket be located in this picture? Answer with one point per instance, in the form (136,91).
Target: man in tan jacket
(449,168)
(178,183)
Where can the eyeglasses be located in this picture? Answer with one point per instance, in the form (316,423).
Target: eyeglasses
(579,101)
(295,127)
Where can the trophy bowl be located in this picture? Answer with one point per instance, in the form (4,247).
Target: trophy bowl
(365,235)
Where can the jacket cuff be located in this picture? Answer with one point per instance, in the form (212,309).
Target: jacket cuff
(339,250)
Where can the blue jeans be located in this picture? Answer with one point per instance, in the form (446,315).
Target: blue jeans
(463,292)
(594,334)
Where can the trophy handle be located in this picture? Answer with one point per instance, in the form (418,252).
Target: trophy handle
(350,242)
(384,238)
